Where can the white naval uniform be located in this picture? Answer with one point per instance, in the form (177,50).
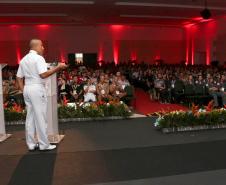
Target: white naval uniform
(35,99)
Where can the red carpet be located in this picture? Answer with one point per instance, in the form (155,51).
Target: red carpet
(145,106)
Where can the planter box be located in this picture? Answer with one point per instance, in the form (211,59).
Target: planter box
(91,119)
(15,122)
(193,128)
(75,120)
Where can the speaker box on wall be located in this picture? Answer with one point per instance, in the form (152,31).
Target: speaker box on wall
(71,59)
(90,59)
(215,63)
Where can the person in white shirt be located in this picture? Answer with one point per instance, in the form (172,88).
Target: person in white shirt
(123,82)
(89,91)
(31,76)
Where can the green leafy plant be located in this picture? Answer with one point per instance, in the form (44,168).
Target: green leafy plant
(183,119)
(85,110)
(98,109)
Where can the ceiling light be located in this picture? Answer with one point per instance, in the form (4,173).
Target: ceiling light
(47,2)
(153,16)
(166,5)
(32,15)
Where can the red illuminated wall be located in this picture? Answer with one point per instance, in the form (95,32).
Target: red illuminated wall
(206,42)
(145,50)
(118,43)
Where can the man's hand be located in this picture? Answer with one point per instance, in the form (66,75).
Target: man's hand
(62,66)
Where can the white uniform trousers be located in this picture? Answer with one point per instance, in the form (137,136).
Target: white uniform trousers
(36,120)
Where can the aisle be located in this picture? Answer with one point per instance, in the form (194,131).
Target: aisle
(145,106)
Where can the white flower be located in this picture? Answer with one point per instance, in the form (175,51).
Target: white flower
(71,104)
(156,124)
(121,102)
(108,104)
(202,110)
(86,105)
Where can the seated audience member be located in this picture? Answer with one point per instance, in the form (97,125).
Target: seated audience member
(77,90)
(106,78)
(84,77)
(79,77)
(159,86)
(13,87)
(118,76)
(64,89)
(215,91)
(5,90)
(189,86)
(116,91)
(123,82)
(172,82)
(223,89)
(89,91)
(165,93)
(200,85)
(14,93)
(150,85)
(11,77)
(190,80)
(177,89)
(94,78)
(103,89)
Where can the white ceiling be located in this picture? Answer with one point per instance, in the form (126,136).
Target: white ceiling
(95,12)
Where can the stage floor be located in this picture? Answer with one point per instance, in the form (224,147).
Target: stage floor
(118,152)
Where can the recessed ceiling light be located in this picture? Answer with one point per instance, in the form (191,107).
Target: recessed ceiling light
(165,5)
(154,16)
(47,2)
(33,15)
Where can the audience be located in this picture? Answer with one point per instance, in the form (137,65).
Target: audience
(169,83)
(164,83)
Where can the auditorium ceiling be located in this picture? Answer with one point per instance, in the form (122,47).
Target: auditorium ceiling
(108,12)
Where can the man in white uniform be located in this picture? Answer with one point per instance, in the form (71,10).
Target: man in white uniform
(33,69)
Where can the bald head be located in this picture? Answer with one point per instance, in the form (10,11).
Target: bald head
(36,45)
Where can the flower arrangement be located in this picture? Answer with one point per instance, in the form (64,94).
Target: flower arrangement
(195,117)
(14,112)
(94,109)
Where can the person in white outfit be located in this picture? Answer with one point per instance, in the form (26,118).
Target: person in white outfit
(31,76)
(89,91)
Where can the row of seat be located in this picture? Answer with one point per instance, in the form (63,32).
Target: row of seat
(189,93)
